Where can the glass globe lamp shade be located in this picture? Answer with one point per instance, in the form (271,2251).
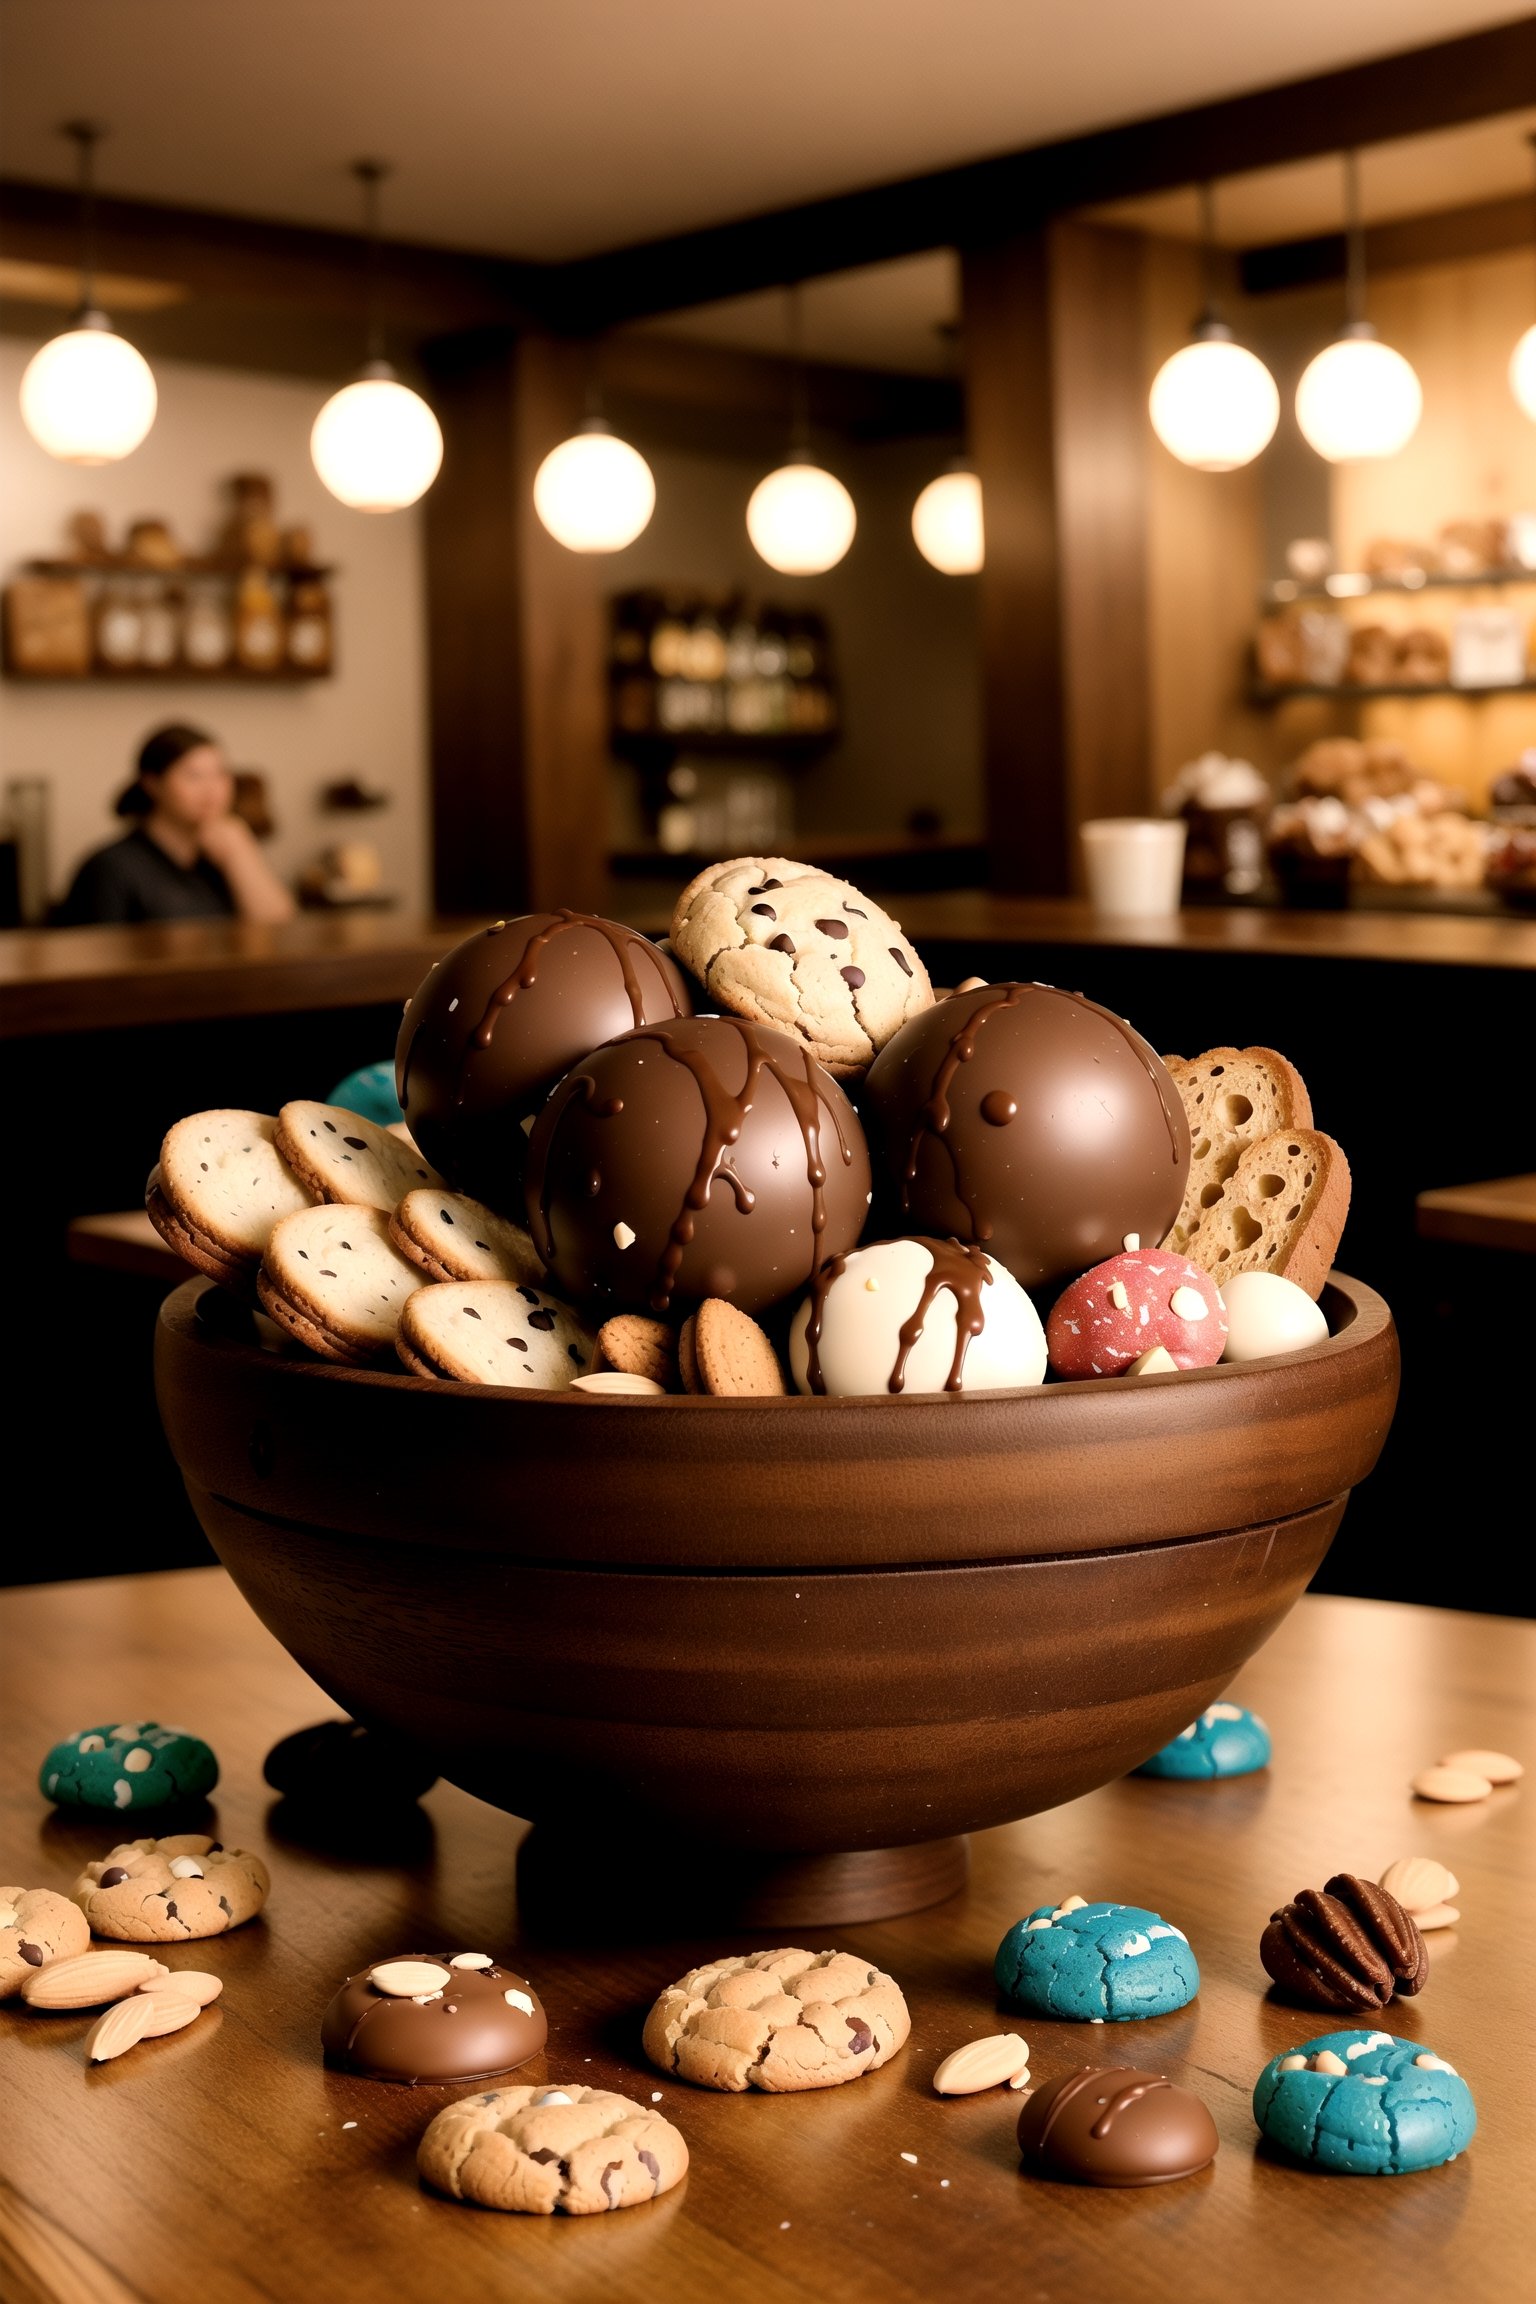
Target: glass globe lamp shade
(88,397)
(594,493)
(946,524)
(1358,399)
(801,519)
(1214,404)
(376,444)
(1522,373)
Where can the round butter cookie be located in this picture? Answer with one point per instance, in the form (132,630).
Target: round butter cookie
(778,2021)
(494,1332)
(784,944)
(164,1891)
(333,1278)
(36,1926)
(535,2150)
(219,1187)
(453,1237)
(342,1156)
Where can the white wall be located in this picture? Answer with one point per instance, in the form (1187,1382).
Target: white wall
(369,719)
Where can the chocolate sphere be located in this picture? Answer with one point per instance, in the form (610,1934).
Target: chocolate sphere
(492,1027)
(1115,2125)
(1029,1122)
(703,1156)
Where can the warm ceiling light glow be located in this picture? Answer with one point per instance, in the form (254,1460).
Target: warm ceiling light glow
(376,444)
(1358,398)
(946,523)
(594,493)
(1522,372)
(800,519)
(88,396)
(1214,404)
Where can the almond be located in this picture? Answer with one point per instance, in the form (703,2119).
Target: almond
(187,1984)
(1435,1916)
(984,2064)
(90,1979)
(1498,1767)
(1455,1785)
(119,2030)
(167,2012)
(1418,1882)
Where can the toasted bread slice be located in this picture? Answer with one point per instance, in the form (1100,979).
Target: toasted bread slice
(1232,1097)
(1281,1210)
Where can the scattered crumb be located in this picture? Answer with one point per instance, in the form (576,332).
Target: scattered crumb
(911,2156)
(349,2123)
(784,2227)
(943,2183)
(655,2095)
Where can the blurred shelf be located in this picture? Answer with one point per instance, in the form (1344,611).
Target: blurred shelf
(885,862)
(1285,592)
(1261,692)
(304,570)
(662,749)
(172,675)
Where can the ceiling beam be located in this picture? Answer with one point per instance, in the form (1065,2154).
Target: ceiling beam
(1451,236)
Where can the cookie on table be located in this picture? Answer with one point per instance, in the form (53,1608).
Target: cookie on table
(137,1764)
(218,1188)
(1096,1963)
(36,1926)
(1364,2104)
(453,1237)
(333,1279)
(342,1156)
(165,1891)
(535,2150)
(784,944)
(732,1357)
(439,2017)
(493,1332)
(778,2021)
(1226,1740)
(632,1344)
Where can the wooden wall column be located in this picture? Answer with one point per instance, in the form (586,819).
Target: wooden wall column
(1058,426)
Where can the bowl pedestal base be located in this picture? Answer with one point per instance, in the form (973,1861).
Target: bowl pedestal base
(593,1883)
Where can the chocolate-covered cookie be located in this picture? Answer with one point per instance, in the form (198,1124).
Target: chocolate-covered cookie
(1030,1122)
(702,1156)
(1115,2125)
(434,2017)
(496,1023)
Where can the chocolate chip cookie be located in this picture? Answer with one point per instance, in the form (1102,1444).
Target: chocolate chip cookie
(36,1926)
(784,944)
(164,1891)
(778,2021)
(533,2150)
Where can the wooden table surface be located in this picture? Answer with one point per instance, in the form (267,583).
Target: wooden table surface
(1498,1214)
(218,2163)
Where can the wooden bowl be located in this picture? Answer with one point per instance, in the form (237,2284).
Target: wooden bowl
(806,1643)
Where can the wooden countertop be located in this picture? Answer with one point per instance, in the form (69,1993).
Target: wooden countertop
(225,2162)
(86,979)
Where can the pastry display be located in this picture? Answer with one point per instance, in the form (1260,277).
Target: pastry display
(1424,1888)
(434,2017)
(1029,1122)
(1096,1963)
(36,1927)
(1115,2125)
(702,1156)
(504,1016)
(534,2151)
(915,1316)
(1226,1740)
(778,2021)
(137,1764)
(1364,2104)
(341,1764)
(164,1891)
(1140,1301)
(1268,1314)
(1350,1946)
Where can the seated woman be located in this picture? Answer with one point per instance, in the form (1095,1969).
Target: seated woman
(188,856)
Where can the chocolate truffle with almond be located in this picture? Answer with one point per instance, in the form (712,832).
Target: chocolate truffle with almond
(434,2017)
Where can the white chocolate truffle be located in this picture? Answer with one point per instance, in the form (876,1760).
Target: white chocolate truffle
(877,1291)
(1268,1314)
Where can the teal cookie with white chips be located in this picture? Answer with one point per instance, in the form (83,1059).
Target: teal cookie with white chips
(135,1765)
(1096,1963)
(1226,1740)
(1364,2104)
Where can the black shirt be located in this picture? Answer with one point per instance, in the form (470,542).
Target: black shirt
(135,879)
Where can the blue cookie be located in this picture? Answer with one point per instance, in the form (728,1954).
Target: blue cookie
(371,1091)
(1224,1741)
(136,1765)
(1096,1962)
(1364,2104)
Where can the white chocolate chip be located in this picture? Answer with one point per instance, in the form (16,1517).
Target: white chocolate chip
(873,1285)
(1188,1304)
(519,2000)
(624,1236)
(1364,2047)
(122,1792)
(1373,2079)
(128,1733)
(911,2157)
(555,2096)
(407,1979)
(1293,2064)
(93,1744)
(138,1760)
(1131,1243)
(1120,1296)
(1158,1362)
(186,1868)
(1070,1904)
(1428,2063)
(471,1960)
(1326,2061)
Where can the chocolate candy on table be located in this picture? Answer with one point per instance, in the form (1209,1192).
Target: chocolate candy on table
(1115,2125)
(434,2017)
(497,1022)
(1351,1947)
(340,1763)
(1031,1122)
(702,1156)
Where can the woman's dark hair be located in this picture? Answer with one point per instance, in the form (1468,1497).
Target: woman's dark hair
(158,752)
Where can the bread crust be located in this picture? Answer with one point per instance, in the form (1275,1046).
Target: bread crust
(1282,1210)
(1231,1098)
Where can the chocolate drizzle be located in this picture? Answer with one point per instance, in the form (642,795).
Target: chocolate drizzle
(1118,2103)
(962,1270)
(934,1116)
(620,942)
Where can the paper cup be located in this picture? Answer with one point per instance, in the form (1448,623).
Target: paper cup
(1135,865)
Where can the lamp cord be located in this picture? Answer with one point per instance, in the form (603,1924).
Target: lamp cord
(86,135)
(1354,242)
(799,400)
(370,174)
(1208,249)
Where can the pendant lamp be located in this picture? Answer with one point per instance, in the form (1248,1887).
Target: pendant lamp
(947,525)
(800,518)
(1358,398)
(376,444)
(1213,404)
(1522,363)
(594,493)
(88,397)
